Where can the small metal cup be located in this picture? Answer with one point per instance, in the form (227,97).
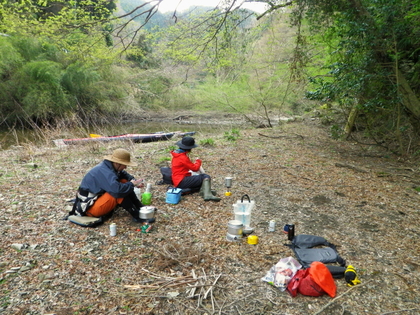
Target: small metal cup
(228,182)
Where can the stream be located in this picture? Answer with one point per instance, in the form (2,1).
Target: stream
(10,138)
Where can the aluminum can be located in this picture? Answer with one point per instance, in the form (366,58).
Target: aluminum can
(272,226)
(112,229)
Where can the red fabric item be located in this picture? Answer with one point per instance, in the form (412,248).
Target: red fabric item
(181,165)
(308,286)
(322,276)
(313,281)
(292,286)
(303,283)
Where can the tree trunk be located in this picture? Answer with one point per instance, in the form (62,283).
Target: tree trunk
(409,98)
(350,121)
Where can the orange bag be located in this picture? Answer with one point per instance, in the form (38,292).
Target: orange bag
(313,281)
(322,276)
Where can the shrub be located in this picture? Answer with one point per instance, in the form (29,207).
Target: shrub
(207,142)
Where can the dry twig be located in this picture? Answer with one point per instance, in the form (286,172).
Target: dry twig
(340,296)
(404,310)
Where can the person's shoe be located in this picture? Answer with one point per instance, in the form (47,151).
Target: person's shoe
(135,213)
(206,189)
(201,192)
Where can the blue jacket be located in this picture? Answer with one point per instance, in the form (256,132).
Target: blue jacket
(103,178)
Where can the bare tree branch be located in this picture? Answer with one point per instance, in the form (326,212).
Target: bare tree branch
(273,7)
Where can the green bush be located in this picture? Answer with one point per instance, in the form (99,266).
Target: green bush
(39,83)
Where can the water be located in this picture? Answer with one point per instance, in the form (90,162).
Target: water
(10,138)
(244,217)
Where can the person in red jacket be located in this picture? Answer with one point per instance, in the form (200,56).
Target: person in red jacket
(182,168)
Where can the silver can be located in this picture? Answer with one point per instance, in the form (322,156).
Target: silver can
(112,229)
(272,226)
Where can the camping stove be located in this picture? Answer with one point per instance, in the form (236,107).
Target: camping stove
(235,232)
(233,237)
(147,214)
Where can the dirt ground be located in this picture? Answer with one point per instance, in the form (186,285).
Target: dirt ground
(360,198)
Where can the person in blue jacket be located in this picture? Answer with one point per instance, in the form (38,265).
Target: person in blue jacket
(107,185)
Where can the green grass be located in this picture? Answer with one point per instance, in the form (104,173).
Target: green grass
(163,159)
(5,299)
(207,142)
(232,135)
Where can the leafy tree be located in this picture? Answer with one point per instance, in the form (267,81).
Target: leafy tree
(206,42)
(371,65)
(56,64)
(99,9)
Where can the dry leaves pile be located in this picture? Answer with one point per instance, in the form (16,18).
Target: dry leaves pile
(359,198)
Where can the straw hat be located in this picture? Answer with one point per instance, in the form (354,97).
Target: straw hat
(120,156)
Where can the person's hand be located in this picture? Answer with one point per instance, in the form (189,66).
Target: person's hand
(139,183)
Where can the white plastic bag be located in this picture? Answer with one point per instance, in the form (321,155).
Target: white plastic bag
(281,273)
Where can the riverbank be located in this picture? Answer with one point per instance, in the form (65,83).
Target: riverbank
(361,199)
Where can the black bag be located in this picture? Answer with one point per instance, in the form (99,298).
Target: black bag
(310,248)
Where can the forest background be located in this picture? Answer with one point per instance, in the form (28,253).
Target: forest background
(71,64)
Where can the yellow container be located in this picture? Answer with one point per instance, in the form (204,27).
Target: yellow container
(253,239)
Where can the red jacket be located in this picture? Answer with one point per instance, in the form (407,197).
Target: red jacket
(181,165)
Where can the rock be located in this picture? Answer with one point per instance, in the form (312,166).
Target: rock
(173,294)
(21,246)
(25,268)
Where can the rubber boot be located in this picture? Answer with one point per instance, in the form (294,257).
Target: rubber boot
(201,193)
(206,191)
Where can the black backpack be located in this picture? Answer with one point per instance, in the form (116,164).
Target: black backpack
(310,248)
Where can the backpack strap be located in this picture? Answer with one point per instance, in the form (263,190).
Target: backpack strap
(83,201)
(340,260)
